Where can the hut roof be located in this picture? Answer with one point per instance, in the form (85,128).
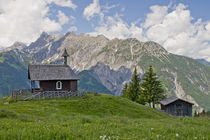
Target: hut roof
(170,100)
(39,72)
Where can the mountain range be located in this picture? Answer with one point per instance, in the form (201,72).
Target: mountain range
(203,61)
(106,65)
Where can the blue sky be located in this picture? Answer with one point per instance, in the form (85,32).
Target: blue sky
(133,10)
(180,26)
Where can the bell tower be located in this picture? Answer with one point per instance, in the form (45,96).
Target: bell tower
(65,55)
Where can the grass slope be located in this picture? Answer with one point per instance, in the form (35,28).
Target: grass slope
(94,117)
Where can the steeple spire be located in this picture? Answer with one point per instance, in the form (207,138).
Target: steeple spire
(65,55)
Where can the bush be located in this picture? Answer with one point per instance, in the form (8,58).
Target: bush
(96,94)
(5,113)
(9,99)
(24,118)
(85,119)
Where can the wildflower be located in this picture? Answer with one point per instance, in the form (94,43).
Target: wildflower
(177,134)
(157,136)
(152,128)
(103,137)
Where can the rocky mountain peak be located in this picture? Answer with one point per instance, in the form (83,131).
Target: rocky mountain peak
(43,39)
(16,46)
(70,34)
(102,37)
(154,48)
(44,35)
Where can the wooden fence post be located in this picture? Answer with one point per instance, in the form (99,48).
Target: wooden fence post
(12,95)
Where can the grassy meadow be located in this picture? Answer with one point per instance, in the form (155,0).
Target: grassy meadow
(94,117)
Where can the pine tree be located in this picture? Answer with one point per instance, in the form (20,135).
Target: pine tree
(141,98)
(125,91)
(132,90)
(152,90)
(134,86)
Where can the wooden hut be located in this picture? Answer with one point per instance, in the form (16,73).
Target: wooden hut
(53,77)
(176,106)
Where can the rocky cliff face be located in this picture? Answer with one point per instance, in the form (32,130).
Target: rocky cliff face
(111,79)
(111,63)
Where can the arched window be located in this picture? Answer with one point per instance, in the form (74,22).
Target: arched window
(58,85)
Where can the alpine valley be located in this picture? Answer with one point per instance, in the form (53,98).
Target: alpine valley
(104,65)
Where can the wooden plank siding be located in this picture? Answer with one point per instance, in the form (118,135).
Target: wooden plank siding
(178,108)
(50,85)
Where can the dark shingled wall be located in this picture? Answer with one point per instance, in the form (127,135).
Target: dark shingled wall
(178,108)
(67,85)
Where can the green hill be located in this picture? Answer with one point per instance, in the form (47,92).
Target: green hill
(13,72)
(92,117)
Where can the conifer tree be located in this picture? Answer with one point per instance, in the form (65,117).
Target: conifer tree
(125,91)
(141,98)
(134,86)
(152,90)
(132,90)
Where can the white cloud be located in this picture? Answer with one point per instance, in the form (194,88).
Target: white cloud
(122,9)
(106,8)
(72,19)
(95,9)
(180,34)
(176,30)
(48,25)
(92,10)
(157,15)
(63,3)
(73,29)
(62,18)
(115,27)
(24,20)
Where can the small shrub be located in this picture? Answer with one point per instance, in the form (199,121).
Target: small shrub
(123,120)
(93,93)
(24,118)
(9,99)
(85,119)
(96,94)
(5,113)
